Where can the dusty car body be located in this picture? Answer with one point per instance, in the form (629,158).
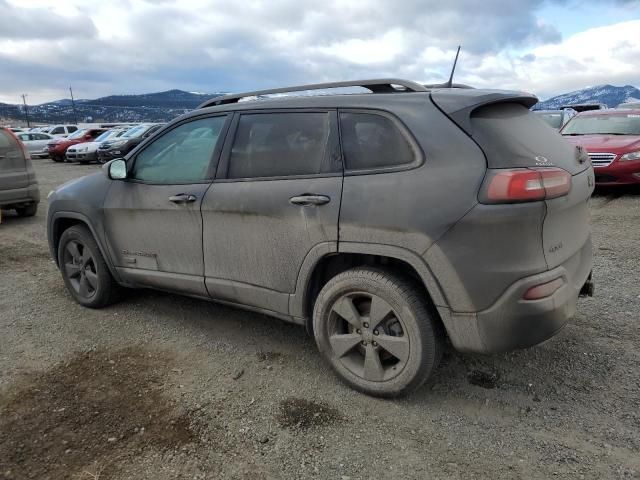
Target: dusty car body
(383,222)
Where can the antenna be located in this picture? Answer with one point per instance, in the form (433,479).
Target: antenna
(455,62)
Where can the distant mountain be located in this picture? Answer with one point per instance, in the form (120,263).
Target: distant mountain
(610,95)
(149,107)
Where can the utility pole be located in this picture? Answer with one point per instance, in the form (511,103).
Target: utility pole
(26,109)
(73,105)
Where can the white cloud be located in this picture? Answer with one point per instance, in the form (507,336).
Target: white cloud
(131,46)
(597,56)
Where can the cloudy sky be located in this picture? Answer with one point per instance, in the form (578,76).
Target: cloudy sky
(133,46)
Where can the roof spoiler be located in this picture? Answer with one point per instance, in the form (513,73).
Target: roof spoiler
(459,104)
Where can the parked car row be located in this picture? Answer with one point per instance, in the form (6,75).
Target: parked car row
(99,144)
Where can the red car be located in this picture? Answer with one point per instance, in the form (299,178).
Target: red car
(612,140)
(58,148)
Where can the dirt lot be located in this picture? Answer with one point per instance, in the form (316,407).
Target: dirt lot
(160,386)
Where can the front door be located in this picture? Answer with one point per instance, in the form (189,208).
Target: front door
(276,197)
(152,219)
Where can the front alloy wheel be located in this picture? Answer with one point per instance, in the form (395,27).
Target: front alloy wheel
(84,270)
(80,268)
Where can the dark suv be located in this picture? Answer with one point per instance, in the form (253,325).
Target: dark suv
(384,222)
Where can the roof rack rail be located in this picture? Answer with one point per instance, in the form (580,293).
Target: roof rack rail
(383,85)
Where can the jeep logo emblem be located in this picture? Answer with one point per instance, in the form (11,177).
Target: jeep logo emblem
(541,159)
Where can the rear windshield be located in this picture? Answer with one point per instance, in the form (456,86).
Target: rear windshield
(603,125)
(511,136)
(10,152)
(552,119)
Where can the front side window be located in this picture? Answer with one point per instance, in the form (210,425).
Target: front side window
(373,141)
(181,155)
(72,129)
(281,144)
(57,131)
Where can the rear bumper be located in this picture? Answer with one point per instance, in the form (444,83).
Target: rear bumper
(20,196)
(512,322)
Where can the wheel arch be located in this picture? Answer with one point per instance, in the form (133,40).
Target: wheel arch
(322,264)
(62,221)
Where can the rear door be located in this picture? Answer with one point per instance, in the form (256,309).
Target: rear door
(512,136)
(13,167)
(275,199)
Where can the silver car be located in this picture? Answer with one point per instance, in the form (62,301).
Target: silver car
(35,142)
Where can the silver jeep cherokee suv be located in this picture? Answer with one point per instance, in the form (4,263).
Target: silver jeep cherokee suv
(384,222)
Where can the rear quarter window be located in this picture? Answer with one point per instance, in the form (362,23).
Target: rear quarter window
(372,141)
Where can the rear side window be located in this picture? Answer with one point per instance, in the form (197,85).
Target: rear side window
(57,131)
(373,141)
(281,144)
(72,129)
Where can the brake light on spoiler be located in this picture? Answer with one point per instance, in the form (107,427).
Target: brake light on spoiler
(515,185)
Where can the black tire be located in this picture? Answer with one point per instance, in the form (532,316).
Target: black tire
(410,328)
(56,158)
(28,211)
(84,271)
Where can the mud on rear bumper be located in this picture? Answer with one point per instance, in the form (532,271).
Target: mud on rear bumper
(512,322)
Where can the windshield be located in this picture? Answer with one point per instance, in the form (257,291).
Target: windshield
(77,134)
(603,125)
(136,131)
(552,119)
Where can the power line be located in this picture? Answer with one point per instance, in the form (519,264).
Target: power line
(26,109)
(73,105)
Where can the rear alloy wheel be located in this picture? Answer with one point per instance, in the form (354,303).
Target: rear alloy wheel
(377,331)
(84,270)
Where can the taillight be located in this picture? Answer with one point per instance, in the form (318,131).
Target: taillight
(525,185)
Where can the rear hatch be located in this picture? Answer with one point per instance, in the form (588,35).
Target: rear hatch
(13,173)
(512,137)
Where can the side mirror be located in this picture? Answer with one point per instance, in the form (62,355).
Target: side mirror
(88,136)
(116,169)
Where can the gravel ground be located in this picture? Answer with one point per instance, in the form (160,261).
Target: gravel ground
(161,386)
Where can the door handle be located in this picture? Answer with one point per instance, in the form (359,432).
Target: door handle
(182,198)
(309,200)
